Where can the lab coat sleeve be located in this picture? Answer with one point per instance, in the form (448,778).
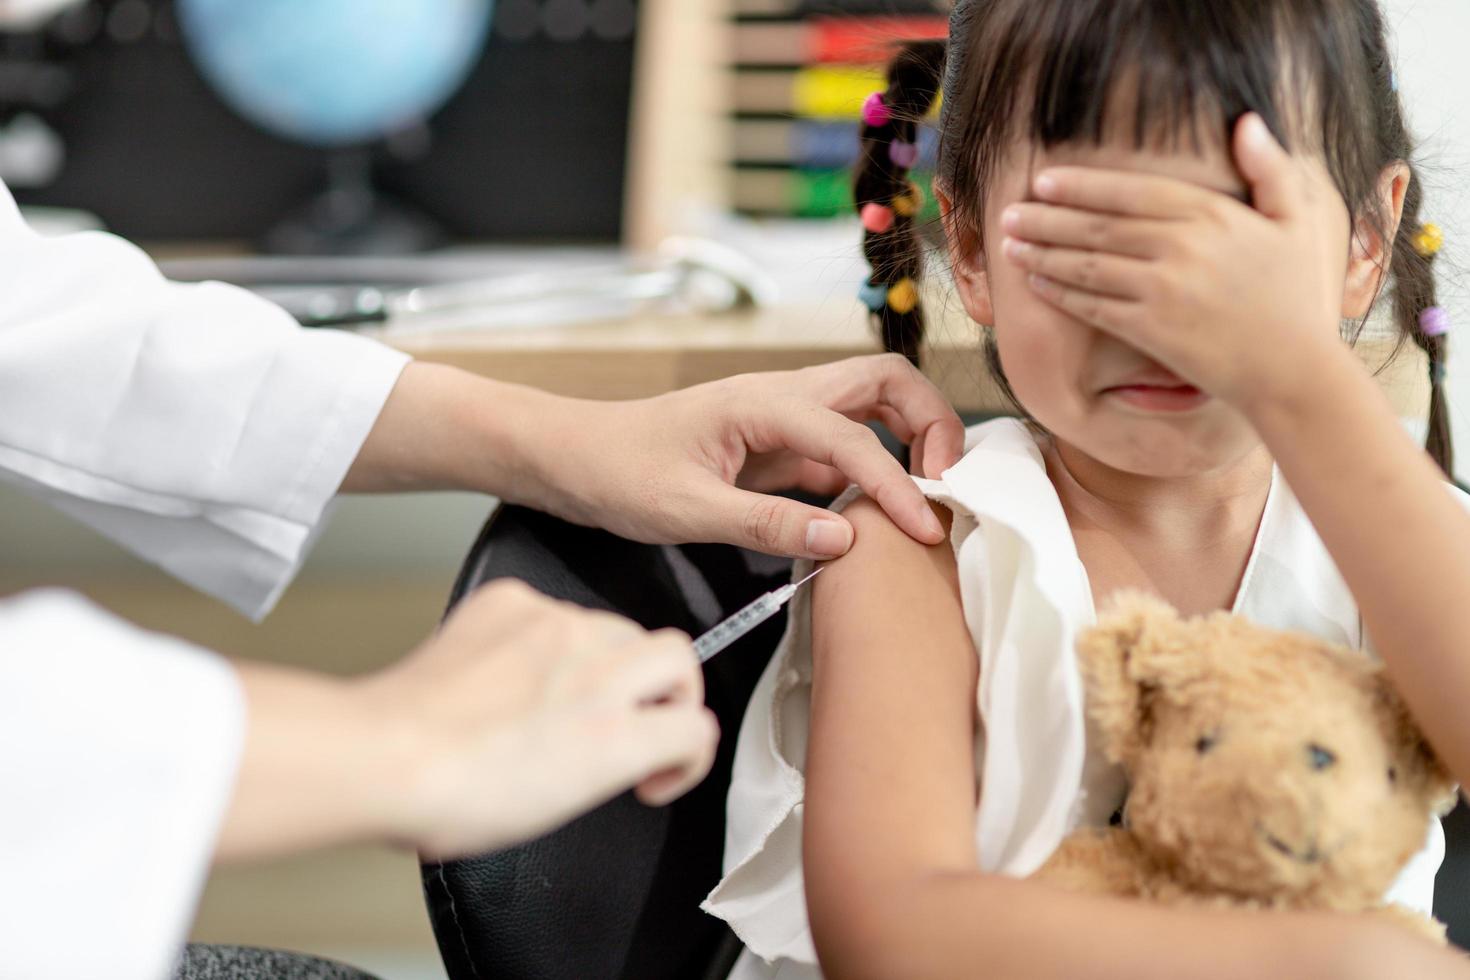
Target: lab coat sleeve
(195,424)
(118,756)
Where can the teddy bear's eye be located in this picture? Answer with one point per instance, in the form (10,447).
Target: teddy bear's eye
(1321,758)
(1204,743)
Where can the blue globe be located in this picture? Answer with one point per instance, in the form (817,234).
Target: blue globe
(334,72)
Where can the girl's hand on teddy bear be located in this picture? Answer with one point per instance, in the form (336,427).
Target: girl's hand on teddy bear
(1232,295)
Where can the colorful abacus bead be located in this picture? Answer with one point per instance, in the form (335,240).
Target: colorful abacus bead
(876,218)
(876,111)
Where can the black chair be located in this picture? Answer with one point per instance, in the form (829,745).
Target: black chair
(1452,884)
(616,893)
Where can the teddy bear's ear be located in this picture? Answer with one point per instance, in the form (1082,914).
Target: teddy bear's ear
(1417,768)
(1124,659)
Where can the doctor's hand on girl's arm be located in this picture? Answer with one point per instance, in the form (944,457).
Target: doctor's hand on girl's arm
(691,465)
(518,715)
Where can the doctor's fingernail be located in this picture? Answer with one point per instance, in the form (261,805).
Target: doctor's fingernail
(1045,184)
(1010,220)
(828,539)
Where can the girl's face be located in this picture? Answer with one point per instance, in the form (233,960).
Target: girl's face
(1089,390)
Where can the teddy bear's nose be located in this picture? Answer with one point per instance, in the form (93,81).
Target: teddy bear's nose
(1320,758)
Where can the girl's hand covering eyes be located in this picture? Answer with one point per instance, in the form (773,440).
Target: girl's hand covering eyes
(1233,297)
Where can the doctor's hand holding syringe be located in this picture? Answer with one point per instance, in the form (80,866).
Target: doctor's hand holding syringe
(520,713)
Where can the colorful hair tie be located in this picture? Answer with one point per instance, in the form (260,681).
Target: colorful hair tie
(910,202)
(903,296)
(876,218)
(903,154)
(1428,240)
(1434,321)
(876,111)
(874,295)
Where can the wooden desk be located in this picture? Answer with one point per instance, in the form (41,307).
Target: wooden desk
(637,359)
(662,353)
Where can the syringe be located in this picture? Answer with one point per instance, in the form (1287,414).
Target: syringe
(737,625)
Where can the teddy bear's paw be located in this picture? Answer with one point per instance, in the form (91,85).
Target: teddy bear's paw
(1101,861)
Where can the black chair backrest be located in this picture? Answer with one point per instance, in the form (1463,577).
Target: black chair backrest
(616,893)
(1452,884)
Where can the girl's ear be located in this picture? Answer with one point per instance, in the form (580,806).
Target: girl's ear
(1370,253)
(971,280)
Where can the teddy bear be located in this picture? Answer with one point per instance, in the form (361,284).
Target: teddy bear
(1266,769)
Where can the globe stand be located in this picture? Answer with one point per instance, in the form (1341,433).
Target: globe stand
(350,217)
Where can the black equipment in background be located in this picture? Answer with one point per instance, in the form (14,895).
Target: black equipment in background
(532,148)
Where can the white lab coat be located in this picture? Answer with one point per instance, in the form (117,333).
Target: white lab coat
(1026,596)
(198,426)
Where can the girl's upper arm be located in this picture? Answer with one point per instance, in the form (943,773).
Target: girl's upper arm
(890,763)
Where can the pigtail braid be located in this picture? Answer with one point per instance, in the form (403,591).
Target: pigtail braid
(888,201)
(1416,313)
(1414,293)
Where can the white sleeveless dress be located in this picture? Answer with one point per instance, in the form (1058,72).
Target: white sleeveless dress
(1026,596)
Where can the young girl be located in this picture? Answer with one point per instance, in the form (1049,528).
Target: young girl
(1165,285)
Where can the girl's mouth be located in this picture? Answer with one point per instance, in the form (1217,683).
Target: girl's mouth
(1159,398)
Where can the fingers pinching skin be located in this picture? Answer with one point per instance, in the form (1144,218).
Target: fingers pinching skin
(775,525)
(859,386)
(904,387)
(895,423)
(663,469)
(830,437)
(941,446)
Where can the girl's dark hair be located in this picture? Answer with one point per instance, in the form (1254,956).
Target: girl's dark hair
(1049,72)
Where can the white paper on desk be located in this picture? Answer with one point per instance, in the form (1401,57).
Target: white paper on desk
(550,312)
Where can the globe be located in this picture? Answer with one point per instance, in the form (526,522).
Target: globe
(334,72)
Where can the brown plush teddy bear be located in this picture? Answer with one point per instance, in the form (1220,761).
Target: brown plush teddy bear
(1266,769)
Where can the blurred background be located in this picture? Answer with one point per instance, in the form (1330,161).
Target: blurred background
(688,157)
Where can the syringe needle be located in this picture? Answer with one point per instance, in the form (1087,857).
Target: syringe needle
(809,577)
